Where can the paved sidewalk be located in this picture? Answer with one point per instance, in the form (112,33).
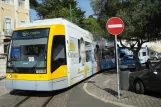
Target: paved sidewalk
(3,89)
(104,87)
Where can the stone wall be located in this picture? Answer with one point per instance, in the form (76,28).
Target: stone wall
(3,61)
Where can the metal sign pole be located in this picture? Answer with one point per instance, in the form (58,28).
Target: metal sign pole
(117,65)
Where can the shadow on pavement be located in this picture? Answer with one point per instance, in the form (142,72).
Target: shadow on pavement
(111,91)
(37,93)
(90,82)
(106,72)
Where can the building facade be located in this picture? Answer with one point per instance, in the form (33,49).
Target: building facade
(13,13)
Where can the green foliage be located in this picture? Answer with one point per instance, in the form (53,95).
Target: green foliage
(91,24)
(141,19)
(58,8)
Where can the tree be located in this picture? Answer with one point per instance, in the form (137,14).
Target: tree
(58,8)
(141,19)
(93,26)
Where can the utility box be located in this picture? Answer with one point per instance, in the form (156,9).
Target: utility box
(124,79)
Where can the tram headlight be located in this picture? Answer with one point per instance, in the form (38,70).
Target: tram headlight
(40,71)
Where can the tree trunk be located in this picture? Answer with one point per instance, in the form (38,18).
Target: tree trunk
(137,61)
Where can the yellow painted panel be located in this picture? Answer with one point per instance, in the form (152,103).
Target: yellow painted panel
(58,29)
(60,72)
(12,76)
(49,51)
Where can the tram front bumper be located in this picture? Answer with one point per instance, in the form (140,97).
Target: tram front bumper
(29,85)
(48,85)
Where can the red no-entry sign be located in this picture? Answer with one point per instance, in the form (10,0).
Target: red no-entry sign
(115,26)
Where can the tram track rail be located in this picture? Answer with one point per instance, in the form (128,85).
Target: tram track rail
(44,104)
(19,103)
(47,101)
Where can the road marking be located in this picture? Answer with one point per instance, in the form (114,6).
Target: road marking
(115,26)
(106,81)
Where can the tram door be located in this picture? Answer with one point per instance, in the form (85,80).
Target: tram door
(58,52)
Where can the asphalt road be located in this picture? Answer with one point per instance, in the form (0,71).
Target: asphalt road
(79,98)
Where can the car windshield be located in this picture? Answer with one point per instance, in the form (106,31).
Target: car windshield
(128,57)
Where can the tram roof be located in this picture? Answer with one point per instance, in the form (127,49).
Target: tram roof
(50,22)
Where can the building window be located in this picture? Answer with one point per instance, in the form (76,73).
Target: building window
(7,1)
(21,3)
(144,53)
(6,45)
(8,26)
(22,22)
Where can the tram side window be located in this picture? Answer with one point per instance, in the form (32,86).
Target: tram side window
(88,52)
(58,54)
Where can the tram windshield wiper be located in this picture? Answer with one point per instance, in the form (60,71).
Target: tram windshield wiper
(13,66)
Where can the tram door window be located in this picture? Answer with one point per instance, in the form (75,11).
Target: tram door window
(58,53)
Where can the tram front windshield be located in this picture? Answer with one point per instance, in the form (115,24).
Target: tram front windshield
(28,48)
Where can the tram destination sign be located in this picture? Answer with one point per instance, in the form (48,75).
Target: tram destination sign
(31,33)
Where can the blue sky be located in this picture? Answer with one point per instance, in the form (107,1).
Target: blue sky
(83,4)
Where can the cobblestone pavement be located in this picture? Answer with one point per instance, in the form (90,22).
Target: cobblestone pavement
(73,97)
(104,86)
(36,99)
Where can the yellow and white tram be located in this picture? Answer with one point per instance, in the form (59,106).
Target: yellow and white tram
(49,55)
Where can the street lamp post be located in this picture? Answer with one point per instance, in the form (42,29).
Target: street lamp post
(70,6)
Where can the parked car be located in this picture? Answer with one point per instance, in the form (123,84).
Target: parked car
(147,79)
(155,55)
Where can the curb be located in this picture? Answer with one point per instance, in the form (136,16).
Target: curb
(105,100)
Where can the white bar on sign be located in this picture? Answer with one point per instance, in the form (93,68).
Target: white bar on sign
(115,26)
